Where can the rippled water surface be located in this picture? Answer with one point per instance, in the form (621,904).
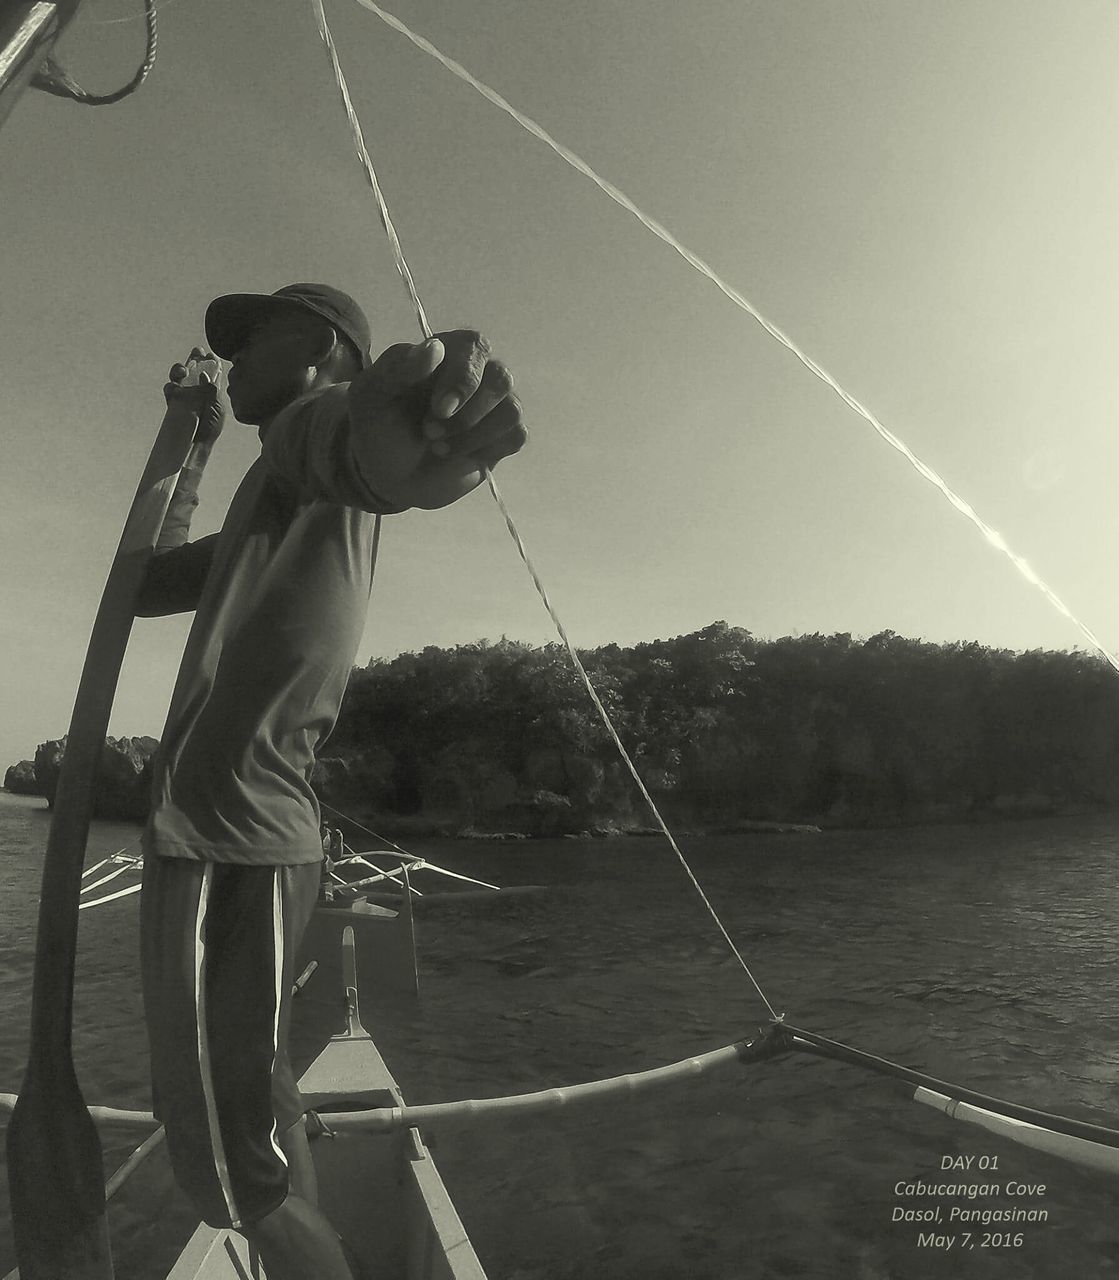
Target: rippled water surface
(985,955)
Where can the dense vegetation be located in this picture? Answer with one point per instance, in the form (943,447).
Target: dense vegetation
(725,727)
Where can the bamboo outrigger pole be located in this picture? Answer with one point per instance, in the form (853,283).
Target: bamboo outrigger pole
(28,32)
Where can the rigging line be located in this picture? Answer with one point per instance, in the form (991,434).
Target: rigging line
(354,822)
(993,537)
(370,172)
(604,716)
(406,276)
(56,80)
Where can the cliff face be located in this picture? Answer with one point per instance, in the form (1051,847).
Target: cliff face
(124,780)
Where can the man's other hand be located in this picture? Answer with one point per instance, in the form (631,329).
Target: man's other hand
(202,398)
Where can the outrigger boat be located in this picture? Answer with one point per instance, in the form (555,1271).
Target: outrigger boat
(57,1187)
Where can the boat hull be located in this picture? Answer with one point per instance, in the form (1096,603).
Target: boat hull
(381,1191)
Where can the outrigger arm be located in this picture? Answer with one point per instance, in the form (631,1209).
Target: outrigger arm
(1081,1142)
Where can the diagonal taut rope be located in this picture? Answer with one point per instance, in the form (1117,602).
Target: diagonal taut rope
(992,536)
(409,283)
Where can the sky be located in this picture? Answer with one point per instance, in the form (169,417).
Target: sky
(922,196)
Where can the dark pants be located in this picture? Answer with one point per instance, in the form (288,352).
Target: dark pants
(218,944)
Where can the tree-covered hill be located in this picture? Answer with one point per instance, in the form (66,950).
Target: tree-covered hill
(726,727)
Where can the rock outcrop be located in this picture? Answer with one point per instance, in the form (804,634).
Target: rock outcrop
(123,787)
(20,779)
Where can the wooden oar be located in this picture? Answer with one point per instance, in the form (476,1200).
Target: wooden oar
(54,1156)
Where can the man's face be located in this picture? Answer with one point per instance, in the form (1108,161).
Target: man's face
(269,370)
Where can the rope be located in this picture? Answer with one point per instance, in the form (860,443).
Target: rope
(114,22)
(993,537)
(370,172)
(57,80)
(409,283)
(604,716)
(354,823)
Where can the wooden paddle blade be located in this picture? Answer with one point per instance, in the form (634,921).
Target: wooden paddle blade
(56,1183)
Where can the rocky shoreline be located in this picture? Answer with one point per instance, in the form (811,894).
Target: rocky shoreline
(123,791)
(421,827)
(124,781)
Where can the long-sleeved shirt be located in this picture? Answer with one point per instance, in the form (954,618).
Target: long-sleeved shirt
(281,595)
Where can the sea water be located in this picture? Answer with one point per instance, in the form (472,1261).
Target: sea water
(980,954)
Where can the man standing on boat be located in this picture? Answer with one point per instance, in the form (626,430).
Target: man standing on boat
(233,847)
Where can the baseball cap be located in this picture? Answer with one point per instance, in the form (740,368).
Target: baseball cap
(229,318)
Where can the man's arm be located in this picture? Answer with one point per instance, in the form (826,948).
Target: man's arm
(175,530)
(175,578)
(310,445)
(418,429)
(177,570)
